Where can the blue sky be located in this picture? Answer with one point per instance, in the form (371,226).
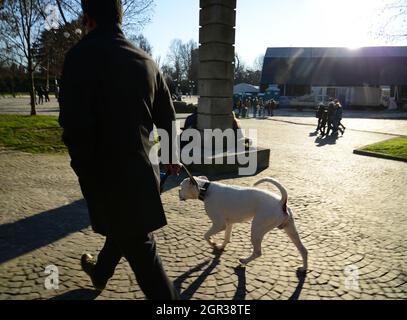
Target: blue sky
(271,23)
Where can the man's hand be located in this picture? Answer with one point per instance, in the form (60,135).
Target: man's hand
(174,169)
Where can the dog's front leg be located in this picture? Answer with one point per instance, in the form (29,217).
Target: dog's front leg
(216,228)
(228,235)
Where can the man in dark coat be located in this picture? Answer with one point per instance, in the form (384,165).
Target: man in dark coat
(111,96)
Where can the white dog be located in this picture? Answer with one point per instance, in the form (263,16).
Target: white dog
(226,205)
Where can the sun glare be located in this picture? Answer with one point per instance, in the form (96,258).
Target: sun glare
(349,23)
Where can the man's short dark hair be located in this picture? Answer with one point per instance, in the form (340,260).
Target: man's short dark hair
(105,12)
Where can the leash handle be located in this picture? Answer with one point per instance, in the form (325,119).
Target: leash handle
(163,179)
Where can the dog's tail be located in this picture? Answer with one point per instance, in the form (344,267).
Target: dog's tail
(283,191)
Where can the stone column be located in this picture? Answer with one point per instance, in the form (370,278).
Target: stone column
(216,69)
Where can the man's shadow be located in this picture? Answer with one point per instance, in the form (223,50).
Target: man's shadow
(189,292)
(33,232)
(78,294)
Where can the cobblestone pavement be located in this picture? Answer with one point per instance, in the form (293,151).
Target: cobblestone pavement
(350,211)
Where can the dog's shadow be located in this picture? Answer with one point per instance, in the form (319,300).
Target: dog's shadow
(187,294)
(326,140)
(301,275)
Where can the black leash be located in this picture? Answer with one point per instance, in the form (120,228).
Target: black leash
(167,174)
(202,191)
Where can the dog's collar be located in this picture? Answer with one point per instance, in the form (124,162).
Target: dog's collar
(203,190)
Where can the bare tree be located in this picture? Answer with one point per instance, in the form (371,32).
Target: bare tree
(240,69)
(142,42)
(393,25)
(19,29)
(21,23)
(244,74)
(158,62)
(258,63)
(186,58)
(52,45)
(174,59)
(136,13)
(180,58)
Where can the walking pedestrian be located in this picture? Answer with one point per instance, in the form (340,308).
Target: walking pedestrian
(106,127)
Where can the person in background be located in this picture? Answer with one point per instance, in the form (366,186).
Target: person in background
(318,115)
(40,92)
(245,109)
(255,105)
(249,105)
(331,117)
(191,122)
(46,94)
(239,108)
(338,117)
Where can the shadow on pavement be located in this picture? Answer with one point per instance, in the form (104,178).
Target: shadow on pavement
(78,294)
(240,294)
(189,292)
(42,229)
(301,279)
(323,141)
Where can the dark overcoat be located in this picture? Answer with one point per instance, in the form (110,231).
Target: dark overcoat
(111,95)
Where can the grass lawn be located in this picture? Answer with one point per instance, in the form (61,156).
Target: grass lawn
(396,147)
(34,134)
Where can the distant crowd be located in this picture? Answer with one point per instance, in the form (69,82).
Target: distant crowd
(329,118)
(43,94)
(256,106)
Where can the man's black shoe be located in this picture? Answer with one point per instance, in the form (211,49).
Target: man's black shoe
(88,265)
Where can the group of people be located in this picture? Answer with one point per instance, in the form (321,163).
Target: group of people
(43,93)
(258,107)
(329,118)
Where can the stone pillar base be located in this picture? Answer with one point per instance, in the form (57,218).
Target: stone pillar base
(212,168)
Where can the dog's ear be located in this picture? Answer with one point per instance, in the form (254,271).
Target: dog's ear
(203,178)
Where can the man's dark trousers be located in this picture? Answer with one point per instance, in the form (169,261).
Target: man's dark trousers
(138,247)
(140,252)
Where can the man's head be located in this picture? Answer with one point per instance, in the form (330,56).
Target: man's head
(101,13)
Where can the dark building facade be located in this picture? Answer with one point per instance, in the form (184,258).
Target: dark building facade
(298,69)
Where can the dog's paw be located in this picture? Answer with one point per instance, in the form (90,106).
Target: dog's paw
(219,247)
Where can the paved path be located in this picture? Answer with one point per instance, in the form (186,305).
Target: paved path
(21,105)
(350,211)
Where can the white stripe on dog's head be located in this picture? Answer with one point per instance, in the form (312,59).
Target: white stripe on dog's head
(190,188)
